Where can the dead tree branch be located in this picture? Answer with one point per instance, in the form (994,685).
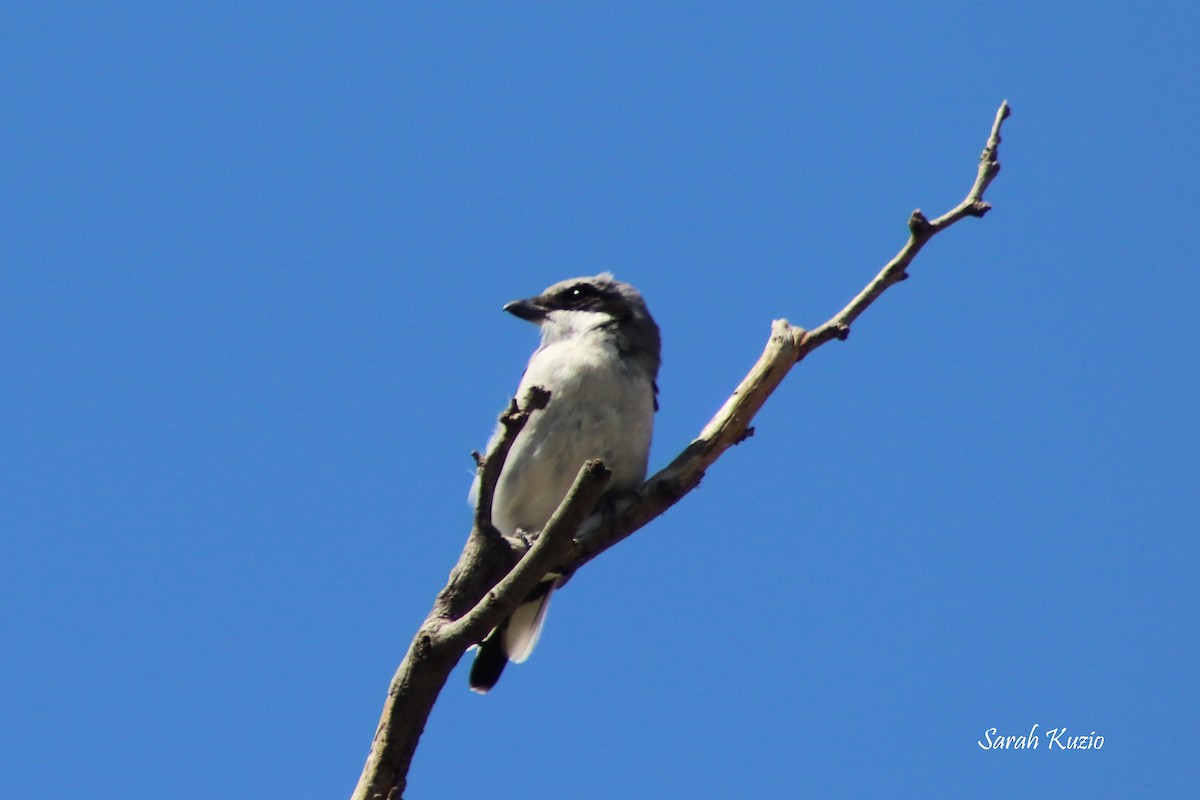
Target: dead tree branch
(787,345)
(494,573)
(492,576)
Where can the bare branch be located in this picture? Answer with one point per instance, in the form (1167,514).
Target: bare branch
(920,230)
(487,557)
(787,345)
(493,573)
(484,587)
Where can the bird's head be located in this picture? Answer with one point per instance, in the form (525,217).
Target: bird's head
(573,307)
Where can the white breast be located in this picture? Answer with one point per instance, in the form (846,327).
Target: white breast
(601,406)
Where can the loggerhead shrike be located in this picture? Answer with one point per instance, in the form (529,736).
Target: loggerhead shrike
(599,360)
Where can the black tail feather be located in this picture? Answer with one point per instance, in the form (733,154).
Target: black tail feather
(490,661)
(493,654)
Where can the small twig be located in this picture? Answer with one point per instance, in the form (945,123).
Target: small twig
(488,468)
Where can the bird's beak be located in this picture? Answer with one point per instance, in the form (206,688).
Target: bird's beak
(529,310)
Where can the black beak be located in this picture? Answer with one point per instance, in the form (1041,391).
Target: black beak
(528,310)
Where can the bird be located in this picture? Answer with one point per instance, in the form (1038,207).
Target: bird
(598,358)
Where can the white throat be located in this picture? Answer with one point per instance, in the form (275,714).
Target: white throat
(561,325)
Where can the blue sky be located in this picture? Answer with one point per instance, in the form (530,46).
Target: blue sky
(253,264)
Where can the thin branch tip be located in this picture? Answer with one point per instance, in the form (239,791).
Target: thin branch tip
(994,138)
(596,470)
(538,398)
